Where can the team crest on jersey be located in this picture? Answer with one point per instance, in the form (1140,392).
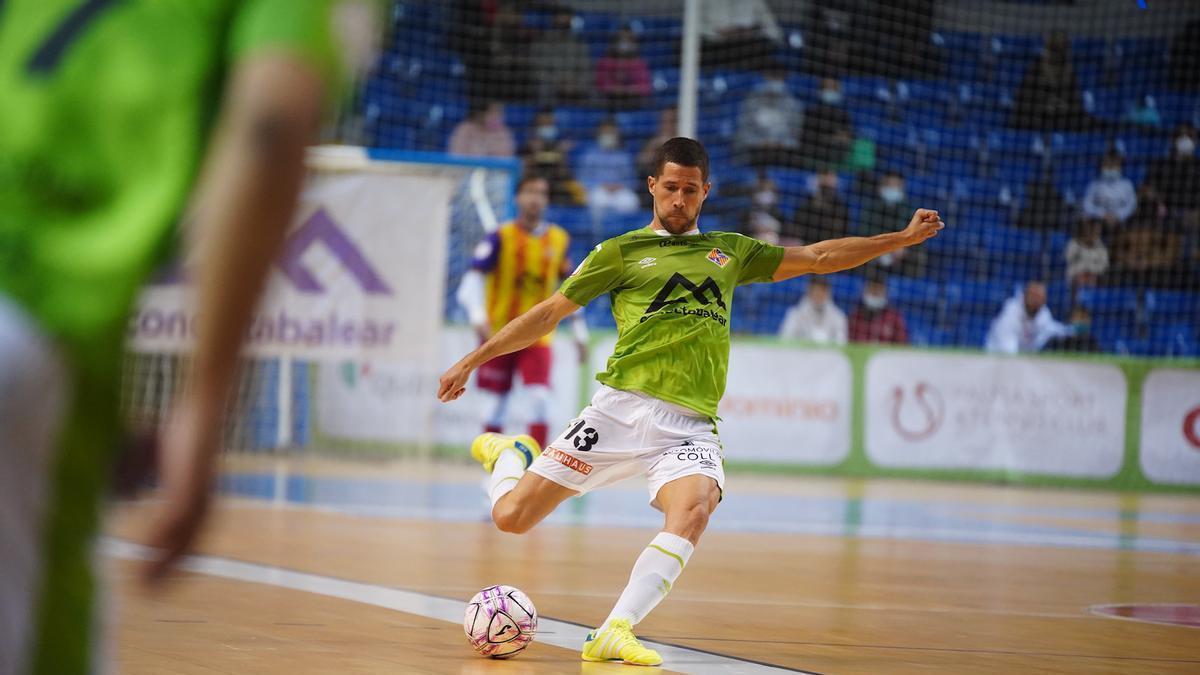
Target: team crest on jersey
(718,258)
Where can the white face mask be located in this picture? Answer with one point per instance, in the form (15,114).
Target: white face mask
(547,132)
(1111,173)
(607,140)
(831,97)
(775,86)
(1185,146)
(891,194)
(875,302)
(765,197)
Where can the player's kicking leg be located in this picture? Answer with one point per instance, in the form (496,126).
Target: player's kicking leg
(687,503)
(520,499)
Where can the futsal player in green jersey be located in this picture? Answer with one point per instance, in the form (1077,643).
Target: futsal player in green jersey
(671,287)
(109,109)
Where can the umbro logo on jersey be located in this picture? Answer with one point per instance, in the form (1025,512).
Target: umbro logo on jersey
(647,262)
(718,258)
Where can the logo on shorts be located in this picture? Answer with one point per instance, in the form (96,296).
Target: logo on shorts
(583,436)
(718,258)
(568,461)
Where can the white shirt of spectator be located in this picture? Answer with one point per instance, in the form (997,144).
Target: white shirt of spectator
(804,321)
(1082,258)
(1110,196)
(1014,331)
(719,15)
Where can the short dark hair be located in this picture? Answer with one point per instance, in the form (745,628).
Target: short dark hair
(684,152)
(529,178)
(818,280)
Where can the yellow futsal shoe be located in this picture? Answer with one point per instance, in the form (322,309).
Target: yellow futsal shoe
(487,447)
(617,643)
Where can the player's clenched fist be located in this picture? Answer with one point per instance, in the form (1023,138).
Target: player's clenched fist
(925,223)
(453,382)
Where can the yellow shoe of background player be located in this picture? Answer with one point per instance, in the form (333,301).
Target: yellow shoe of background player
(487,447)
(616,642)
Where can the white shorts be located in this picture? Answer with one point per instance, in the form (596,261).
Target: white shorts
(623,434)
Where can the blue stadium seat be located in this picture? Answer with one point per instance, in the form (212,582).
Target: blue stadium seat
(1113,301)
(1168,305)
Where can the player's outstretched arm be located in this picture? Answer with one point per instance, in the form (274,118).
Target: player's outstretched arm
(238,216)
(517,334)
(835,255)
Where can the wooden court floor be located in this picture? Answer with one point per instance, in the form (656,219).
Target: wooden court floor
(829,600)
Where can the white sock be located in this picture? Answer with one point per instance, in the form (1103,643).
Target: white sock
(656,569)
(509,468)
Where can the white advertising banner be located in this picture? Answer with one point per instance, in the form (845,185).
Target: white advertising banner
(378,401)
(360,276)
(960,411)
(781,405)
(1170,442)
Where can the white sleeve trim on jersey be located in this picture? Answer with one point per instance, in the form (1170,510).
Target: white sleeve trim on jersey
(470,297)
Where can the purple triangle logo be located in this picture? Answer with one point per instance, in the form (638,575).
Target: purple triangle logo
(320,227)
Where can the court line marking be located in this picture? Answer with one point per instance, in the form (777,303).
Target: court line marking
(557,633)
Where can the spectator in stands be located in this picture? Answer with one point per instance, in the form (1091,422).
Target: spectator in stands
(668,128)
(1144,113)
(562,66)
(1185,57)
(1147,249)
(1177,178)
(741,34)
(769,122)
(1044,209)
(1086,255)
(622,76)
(1110,196)
(815,318)
(483,133)
(824,216)
(545,154)
(827,131)
(1025,323)
(606,171)
(1049,96)
(506,67)
(764,219)
(1081,339)
(880,214)
(873,320)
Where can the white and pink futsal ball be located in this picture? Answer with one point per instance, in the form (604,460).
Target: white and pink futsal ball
(500,621)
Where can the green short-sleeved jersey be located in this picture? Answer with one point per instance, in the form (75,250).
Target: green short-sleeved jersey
(104,117)
(672,297)
(106,107)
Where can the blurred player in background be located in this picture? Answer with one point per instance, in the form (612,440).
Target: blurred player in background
(655,414)
(109,110)
(515,268)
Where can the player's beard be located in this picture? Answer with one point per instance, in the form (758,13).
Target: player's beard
(677,226)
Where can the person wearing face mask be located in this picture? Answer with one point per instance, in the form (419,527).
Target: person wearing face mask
(769,122)
(1110,197)
(483,133)
(816,318)
(827,129)
(1025,323)
(889,200)
(1049,96)
(606,171)
(1177,177)
(824,216)
(561,63)
(622,75)
(874,320)
(545,154)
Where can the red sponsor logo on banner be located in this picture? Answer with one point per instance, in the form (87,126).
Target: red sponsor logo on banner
(568,461)
(1191,427)
(931,406)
